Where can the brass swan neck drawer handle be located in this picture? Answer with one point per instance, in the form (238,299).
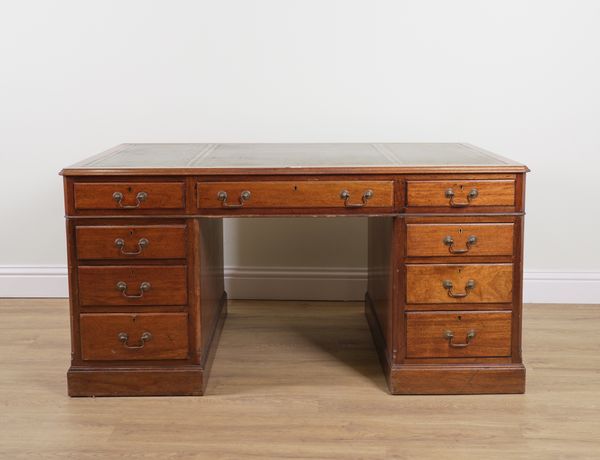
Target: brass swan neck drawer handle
(124,338)
(449,241)
(474,193)
(139,199)
(244,196)
(447,284)
(450,336)
(142,243)
(366,196)
(144,287)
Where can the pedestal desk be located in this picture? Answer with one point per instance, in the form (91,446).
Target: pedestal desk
(145,255)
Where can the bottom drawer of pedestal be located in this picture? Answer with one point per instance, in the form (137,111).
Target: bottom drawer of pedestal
(134,336)
(458,334)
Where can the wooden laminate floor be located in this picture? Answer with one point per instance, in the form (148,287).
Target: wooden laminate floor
(300,380)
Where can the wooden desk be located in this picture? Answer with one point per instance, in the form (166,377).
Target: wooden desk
(145,251)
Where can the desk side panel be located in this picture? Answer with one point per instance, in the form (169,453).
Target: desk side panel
(213,298)
(380,287)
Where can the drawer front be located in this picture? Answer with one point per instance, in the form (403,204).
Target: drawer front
(131,242)
(460,193)
(132,285)
(427,240)
(471,283)
(458,334)
(120,336)
(129,195)
(296,194)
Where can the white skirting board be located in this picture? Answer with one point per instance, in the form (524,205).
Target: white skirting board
(308,283)
(33,281)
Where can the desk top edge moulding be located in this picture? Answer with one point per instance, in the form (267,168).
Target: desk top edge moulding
(144,226)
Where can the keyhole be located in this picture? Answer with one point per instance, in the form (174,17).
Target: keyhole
(129,189)
(130,232)
(461,187)
(295,188)
(459,317)
(460,230)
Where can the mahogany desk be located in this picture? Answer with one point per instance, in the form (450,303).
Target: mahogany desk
(145,252)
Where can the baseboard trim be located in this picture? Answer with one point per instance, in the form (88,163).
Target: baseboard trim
(561,287)
(33,281)
(307,283)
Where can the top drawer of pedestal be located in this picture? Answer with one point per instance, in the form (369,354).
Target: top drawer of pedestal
(460,194)
(129,195)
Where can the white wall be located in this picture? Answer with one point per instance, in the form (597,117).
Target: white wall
(519,78)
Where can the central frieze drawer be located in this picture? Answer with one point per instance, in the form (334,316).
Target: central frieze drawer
(485,239)
(458,334)
(129,195)
(449,283)
(131,242)
(460,193)
(296,194)
(132,285)
(133,336)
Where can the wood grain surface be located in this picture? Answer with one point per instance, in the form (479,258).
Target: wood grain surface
(99,195)
(97,285)
(425,334)
(297,194)
(427,240)
(493,283)
(433,193)
(100,336)
(98,241)
(300,380)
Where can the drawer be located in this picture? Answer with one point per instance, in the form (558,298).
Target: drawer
(131,242)
(129,195)
(131,336)
(458,334)
(132,285)
(469,283)
(296,194)
(460,193)
(491,239)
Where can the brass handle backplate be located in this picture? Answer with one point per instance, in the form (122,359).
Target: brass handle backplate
(474,193)
(450,336)
(139,199)
(142,243)
(144,287)
(366,196)
(449,241)
(124,338)
(244,196)
(449,286)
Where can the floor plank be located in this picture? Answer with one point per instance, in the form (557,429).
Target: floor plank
(300,380)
